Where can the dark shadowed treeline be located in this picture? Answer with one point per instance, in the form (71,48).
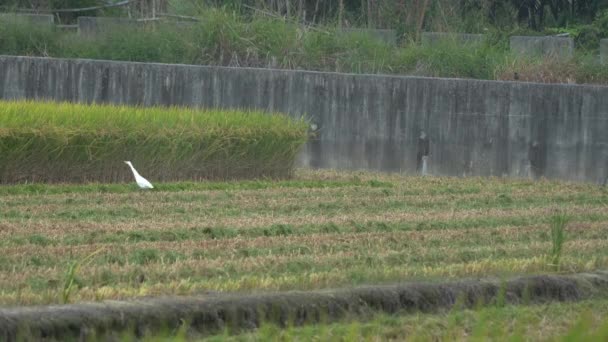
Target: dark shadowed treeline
(408,15)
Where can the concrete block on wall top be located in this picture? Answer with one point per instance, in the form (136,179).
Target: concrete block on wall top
(549,46)
(387,36)
(93,25)
(39,19)
(431,38)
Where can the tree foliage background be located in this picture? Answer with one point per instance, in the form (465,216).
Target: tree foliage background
(469,15)
(307,34)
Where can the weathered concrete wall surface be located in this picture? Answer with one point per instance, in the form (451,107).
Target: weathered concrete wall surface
(40,19)
(90,26)
(604,51)
(559,47)
(430,38)
(385,35)
(93,25)
(474,127)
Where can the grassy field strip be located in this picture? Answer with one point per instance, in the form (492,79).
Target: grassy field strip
(61,192)
(315,243)
(274,263)
(315,271)
(45,291)
(424,219)
(305,179)
(242,258)
(212,207)
(298,234)
(257,189)
(548,322)
(277,199)
(81,233)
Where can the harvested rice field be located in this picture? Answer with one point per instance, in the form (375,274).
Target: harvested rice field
(319,230)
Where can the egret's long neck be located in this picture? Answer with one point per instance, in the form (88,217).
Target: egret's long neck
(134,171)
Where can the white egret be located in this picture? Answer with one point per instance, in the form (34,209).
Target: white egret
(141,181)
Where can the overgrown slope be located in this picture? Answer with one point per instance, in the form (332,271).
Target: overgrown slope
(223,38)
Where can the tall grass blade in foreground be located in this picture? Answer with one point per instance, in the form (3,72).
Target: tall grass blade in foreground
(70,279)
(558,237)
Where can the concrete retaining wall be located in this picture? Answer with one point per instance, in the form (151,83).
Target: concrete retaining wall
(473,127)
(93,25)
(41,19)
(559,47)
(387,36)
(431,38)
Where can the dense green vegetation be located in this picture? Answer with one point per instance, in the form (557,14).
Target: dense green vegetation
(224,39)
(227,38)
(62,142)
(406,15)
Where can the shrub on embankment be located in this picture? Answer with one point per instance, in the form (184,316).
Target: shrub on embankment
(63,142)
(227,39)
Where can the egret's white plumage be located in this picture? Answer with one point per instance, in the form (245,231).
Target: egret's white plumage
(141,181)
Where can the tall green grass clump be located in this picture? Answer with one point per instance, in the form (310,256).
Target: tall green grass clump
(63,142)
(18,36)
(558,237)
(334,50)
(70,276)
(451,58)
(136,44)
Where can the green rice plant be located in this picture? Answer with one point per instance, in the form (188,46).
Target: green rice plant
(70,278)
(63,142)
(558,237)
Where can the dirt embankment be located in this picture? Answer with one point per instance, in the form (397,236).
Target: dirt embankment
(211,313)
